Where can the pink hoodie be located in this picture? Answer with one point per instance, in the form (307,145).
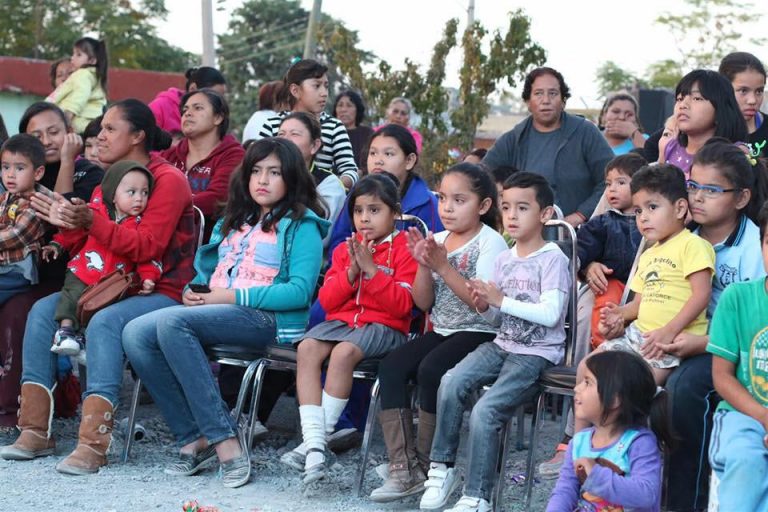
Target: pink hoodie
(165,106)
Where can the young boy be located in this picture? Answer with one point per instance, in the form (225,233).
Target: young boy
(673,281)
(122,197)
(738,450)
(607,245)
(22,165)
(90,142)
(528,298)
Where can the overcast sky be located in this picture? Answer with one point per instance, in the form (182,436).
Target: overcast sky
(577,43)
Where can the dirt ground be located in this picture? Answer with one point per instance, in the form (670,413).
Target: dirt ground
(141,485)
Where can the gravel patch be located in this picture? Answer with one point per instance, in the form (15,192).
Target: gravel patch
(141,484)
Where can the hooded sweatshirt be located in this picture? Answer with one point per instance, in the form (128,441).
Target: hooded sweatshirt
(92,260)
(208,178)
(165,106)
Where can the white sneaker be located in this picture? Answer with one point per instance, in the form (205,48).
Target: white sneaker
(440,484)
(470,504)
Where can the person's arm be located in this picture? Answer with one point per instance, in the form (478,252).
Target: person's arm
(733,392)
(270,127)
(591,241)
(343,157)
(82,87)
(26,230)
(337,289)
(170,197)
(546,312)
(565,495)
(217,190)
(651,146)
(83,188)
(596,153)
(394,290)
(423,289)
(501,153)
(304,268)
(640,489)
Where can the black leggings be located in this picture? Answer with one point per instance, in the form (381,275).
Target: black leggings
(425,360)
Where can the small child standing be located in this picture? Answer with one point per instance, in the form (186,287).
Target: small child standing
(673,282)
(738,342)
(122,197)
(83,95)
(22,165)
(528,298)
(616,464)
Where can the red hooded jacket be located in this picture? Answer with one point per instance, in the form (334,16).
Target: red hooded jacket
(385,299)
(208,178)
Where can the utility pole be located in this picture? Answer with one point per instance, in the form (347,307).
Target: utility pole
(471,13)
(310,43)
(208,55)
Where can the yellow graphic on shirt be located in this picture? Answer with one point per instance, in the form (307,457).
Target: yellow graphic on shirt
(12,211)
(758,366)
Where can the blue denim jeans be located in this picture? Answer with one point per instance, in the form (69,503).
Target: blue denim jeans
(514,379)
(165,348)
(12,283)
(104,349)
(740,460)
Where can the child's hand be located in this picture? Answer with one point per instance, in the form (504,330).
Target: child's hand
(354,269)
(654,341)
(50,252)
(686,345)
(364,256)
(435,256)
(219,296)
(596,277)
(487,292)
(480,304)
(190,298)
(415,242)
(147,287)
(611,321)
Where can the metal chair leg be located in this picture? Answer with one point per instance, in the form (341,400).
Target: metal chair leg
(254,409)
(531,470)
(499,488)
(242,394)
(520,440)
(367,436)
(131,420)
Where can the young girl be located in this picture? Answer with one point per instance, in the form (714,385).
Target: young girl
(367,296)
(447,260)
(705,107)
(260,271)
(304,130)
(747,75)
(305,89)
(84,94)
(617,463)
(393,149)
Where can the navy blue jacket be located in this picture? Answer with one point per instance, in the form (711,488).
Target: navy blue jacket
(611,239)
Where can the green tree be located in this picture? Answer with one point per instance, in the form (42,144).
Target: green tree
(664,74)
(263,38)
(705,32)
(611,77)
(46,29)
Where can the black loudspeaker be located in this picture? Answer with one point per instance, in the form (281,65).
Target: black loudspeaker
(656,105)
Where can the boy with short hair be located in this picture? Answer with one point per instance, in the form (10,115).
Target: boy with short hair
(673,281)
(90,141)
(122,197)
(22,165)
(528,298)
(738,341)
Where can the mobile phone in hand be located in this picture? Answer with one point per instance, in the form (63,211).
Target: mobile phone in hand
(200,288)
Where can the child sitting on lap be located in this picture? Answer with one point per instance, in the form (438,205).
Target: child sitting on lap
(122,197)
(673,282)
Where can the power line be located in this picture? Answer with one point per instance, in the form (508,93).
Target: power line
(301,22)
(279,39)
(296,44)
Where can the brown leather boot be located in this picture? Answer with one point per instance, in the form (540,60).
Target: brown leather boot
(405,475)
(93,439)
(424,436)
(35,416)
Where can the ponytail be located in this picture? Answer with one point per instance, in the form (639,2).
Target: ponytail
(141,118)
(659,421)
(96,49)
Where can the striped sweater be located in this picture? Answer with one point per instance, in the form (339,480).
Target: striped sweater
(335,155)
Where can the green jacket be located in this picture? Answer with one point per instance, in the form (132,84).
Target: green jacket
(290,295)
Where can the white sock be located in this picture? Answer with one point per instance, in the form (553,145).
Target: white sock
(333,407)
(313,431)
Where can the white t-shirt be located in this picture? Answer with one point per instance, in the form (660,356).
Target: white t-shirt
(475,259)
(257,120)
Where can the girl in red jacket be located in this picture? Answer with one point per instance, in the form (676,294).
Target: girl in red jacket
(367,297)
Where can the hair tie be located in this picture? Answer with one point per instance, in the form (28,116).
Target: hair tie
(659,390)
(752,151)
